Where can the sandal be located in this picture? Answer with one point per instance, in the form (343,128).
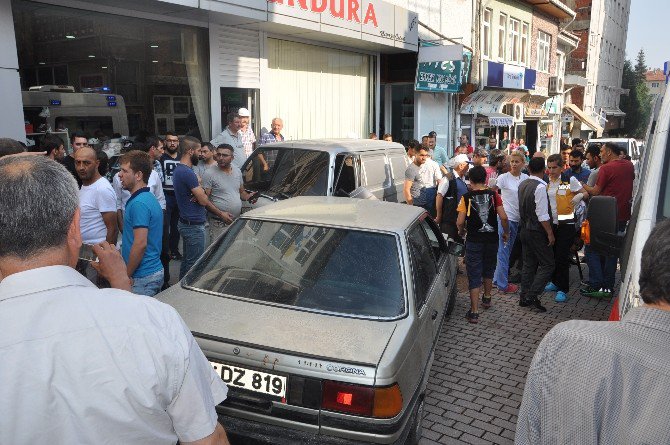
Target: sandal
(486,302)
(472,317)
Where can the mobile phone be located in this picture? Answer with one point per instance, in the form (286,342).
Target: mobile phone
(86,253)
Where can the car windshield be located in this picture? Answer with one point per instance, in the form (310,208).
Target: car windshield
(287,172)
(308,267)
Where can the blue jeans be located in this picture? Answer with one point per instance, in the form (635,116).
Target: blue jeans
(172,212)
(504,252)
(480,262)
(193,238)
(602,269)
(149,285)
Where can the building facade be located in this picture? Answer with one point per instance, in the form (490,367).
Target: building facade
(519,56)
(181,66)
(655,81)
(602,27)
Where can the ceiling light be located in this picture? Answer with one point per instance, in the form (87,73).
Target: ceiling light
(91,56)
(103,67)
(70,36)
(154,61)
(154,46)
(42,63)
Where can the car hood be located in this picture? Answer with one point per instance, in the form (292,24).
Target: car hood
(339,338)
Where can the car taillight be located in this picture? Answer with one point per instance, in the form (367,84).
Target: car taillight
(361,400)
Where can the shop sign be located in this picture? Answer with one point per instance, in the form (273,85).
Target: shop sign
(442,69)
(351,11)
(567,118)
(535,110)
(502,75)
(377,20)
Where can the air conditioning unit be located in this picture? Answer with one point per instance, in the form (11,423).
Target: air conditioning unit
(556,85)
(516,111)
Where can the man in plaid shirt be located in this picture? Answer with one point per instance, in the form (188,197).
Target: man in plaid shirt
(246,132)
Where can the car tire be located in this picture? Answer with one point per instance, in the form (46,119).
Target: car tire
(416,429)
(451,300)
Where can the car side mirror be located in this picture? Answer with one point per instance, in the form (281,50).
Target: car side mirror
(456,249)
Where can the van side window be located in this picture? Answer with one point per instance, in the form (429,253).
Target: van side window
(376,173)
(424,267)
(345,175)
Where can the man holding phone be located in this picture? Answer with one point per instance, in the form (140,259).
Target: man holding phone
(224,186)
(72,349)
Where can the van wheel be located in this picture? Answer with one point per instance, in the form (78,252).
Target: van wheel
(416,429)
(451,302)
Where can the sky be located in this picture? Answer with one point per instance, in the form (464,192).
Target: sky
(646,25)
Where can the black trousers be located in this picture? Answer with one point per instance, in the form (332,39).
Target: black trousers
(538,263)
(173,217)
(165,248)
(565,236)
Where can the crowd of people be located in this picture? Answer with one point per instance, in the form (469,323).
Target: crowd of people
(160,191)
(515,212)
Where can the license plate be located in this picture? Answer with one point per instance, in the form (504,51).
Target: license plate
(257,381)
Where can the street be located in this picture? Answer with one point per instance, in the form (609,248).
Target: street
(478,375)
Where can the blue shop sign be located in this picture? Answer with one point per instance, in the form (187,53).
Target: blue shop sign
(502,75)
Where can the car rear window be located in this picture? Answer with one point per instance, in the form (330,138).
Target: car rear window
(308,267)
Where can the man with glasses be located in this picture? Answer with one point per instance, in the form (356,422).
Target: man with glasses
(169,162)
(224,186)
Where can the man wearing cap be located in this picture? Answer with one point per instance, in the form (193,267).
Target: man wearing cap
(449,193)
(231,135)
(246,132)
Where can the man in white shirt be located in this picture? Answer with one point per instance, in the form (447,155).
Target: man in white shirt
(421,178)
(508,185)
(97,200)
(231,136)
(103,365)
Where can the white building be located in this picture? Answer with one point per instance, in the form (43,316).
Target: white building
(182,65)
(602,26)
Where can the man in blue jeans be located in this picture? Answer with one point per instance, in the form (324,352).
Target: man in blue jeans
(143,225)
(193,204)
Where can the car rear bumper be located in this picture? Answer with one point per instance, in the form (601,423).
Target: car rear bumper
(252,432)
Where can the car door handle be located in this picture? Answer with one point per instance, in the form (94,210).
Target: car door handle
(434,316)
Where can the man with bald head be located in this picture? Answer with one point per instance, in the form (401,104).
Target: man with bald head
(104,365)
(97,200)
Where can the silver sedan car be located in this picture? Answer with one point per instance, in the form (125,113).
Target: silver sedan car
(322,315)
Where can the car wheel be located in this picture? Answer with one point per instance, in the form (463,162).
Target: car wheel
(451,302)
(416,430)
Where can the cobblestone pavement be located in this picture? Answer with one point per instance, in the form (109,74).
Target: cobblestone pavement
(477,379)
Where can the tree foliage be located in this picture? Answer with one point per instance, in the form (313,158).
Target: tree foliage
(637,104)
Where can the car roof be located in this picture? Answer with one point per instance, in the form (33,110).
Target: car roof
(611,139)
(366,214)
(339,145)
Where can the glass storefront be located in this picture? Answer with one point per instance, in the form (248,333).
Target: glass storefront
(114,74)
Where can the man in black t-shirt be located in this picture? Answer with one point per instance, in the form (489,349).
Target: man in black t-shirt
(77,141)
(477,217)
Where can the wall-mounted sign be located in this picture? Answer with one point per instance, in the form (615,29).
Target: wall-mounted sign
(502,75)
(442,69)
(371,20)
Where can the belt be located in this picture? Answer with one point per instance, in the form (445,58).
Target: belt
(190,223)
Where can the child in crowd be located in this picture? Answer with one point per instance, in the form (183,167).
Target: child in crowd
(478,213)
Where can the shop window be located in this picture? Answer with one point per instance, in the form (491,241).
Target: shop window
(320,91)
(131,58)
(524,43)
(502,34)
(543,51)
(486,33)
(514,40)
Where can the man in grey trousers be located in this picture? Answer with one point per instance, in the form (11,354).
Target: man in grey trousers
(536,235)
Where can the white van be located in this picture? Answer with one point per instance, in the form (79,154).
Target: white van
(326,167)
(55,107)
(651,203)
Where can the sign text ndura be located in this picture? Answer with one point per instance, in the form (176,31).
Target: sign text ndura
(343,9)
